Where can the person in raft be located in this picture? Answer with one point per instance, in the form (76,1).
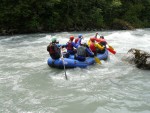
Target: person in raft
(79,37)
(70,46)
(83,51)
(101,40)
(95,46)
(53,49)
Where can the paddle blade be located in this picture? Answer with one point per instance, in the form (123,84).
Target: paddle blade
(111,47)
(111,50)
(97,60)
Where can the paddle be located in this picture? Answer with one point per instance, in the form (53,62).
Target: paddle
(63,64)
(110,48)
(97,60)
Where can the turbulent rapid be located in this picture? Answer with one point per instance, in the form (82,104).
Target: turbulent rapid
(29,85)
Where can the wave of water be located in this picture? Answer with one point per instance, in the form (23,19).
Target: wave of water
(29,85)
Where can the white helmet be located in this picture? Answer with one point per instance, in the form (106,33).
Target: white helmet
(83,42)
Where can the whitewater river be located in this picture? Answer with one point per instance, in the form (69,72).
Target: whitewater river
(29,85)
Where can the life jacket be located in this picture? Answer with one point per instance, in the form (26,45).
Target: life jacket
(81,51)
(101,41)
(92,47)
(69,46)
(53,49)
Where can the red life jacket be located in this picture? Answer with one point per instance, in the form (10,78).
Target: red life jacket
(92,47)
(69,46)
(101,41)
(53,49)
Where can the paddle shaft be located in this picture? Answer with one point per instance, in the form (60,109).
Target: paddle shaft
(65,71)
(111,50)
(97,60)
(64,64)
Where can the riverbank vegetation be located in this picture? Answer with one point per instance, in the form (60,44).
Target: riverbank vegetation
(31,16)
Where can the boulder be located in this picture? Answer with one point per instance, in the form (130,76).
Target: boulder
(139,57)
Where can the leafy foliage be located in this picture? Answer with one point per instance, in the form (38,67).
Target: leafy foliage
(25,16)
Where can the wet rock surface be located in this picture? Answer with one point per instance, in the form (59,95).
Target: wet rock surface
(139,57)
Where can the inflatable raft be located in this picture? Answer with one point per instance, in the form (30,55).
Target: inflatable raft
(72,63)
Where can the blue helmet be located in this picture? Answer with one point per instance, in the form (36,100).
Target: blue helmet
(80,35)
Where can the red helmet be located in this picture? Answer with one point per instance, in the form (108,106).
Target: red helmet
(92,39)
(71,38)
